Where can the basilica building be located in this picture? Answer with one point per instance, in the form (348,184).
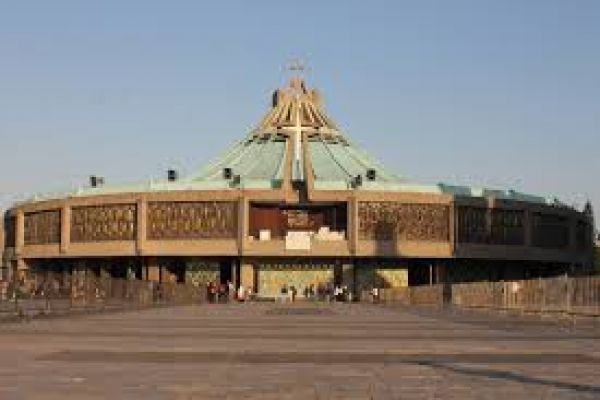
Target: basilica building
(295,202)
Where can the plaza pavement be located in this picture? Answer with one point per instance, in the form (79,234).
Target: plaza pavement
(299,351)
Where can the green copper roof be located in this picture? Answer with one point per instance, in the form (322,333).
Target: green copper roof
(336,163)
(259,162)
(297,127)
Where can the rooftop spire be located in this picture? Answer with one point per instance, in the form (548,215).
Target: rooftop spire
(297,106)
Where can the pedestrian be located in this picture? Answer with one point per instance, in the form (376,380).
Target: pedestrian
(284,293)
(346,295)
(338,293)
(230,291)
(329,292)
(375,293)
(223,293)
(320,292)
(241,294)
(213,292)
(294,292)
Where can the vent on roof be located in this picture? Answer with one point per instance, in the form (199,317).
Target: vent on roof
(172,175)
(227,173)
(96,181)
(356,181)
(371,174)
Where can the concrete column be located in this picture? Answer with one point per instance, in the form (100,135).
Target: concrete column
(430,274)
(247,277)
(452,226)
(65,228)
(141,221)
(20,264)
(234,277)
(152,269)
(353,224)
(243,223)
(19,232)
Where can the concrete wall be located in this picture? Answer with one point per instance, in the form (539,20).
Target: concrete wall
(241,246)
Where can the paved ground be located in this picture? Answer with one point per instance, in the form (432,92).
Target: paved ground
(304,351)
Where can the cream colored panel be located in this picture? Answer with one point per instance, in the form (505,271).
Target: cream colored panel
(271,278)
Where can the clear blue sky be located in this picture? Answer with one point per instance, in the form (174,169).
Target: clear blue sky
(498,93)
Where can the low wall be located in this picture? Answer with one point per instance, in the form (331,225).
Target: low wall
(580,295)
(413,295)
(55,296)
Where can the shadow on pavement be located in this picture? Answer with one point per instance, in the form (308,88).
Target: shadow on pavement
(512,376)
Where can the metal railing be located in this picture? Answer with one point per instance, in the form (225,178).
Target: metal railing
(568,295)
(91,294)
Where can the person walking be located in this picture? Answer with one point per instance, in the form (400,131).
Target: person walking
(294,292)
(213,292)
(375,293)
(230,291)
(320,292)
(241,294)
(284,293)
(222,293)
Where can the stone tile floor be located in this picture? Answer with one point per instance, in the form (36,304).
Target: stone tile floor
(299,351)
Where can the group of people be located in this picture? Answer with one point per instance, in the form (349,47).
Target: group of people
(225,292)
(319,292)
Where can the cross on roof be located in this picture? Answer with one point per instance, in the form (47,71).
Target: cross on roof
(296,66)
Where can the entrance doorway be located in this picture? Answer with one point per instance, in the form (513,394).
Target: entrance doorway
(225,273)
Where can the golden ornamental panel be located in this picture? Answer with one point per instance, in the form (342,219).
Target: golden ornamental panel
(273,277)
(368,277)
(42,227)
(192,220)
(390,220)
(101,223)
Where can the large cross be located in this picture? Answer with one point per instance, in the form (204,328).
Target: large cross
(296,66)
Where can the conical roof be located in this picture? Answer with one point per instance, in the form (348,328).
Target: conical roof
(297,142)
(297,132)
